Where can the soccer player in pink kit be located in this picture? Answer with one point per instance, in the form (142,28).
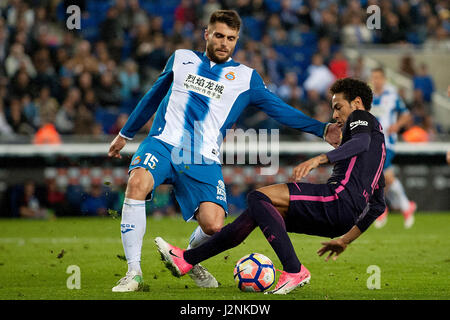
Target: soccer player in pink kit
(345,206)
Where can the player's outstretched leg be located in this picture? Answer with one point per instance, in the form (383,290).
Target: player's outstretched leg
(181,261)
(201,276)
(210,217)
(273,227)
(289,281)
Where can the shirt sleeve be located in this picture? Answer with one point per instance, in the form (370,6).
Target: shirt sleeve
(359,124)
(276,108)
(148,105)
(374,209)
(360,121)
(359,142)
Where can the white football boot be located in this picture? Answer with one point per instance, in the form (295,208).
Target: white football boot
(202,277)
(131,282)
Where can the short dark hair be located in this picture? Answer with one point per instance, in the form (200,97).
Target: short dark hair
(352,88)
(229,17)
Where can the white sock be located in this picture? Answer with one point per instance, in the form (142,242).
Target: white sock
(132,228)
(197,238)
(397,189)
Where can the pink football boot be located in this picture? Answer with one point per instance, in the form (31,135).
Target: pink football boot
(173,258)
(289,281)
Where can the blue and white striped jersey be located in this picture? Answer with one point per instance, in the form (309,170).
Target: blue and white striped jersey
(387,107)
(197,100)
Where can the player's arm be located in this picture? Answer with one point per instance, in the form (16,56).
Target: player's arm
(277,109)
(144,110)
(377,205)
(404,118)
(358,143)
(148,105)
(374,209)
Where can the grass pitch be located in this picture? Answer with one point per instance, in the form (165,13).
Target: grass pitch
(35,256)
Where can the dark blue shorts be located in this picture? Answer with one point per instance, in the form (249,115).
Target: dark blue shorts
(316,209)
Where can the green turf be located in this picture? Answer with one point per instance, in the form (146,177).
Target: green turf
(34,257)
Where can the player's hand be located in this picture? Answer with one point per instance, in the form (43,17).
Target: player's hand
(304,168)
(333,135)
(335,247)
(116,145)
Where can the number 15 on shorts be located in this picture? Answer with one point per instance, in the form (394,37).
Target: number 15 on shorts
(150,160)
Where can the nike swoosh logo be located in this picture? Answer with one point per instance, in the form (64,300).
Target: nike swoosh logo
(125,231)
(173,254)
(189,62)
(282,286)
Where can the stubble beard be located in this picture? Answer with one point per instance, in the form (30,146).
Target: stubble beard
(212,55)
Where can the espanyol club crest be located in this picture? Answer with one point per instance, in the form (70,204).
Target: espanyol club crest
(230,76)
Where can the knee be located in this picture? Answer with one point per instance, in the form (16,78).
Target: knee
(210,217)
(139,185)
(257,195)
(212,227)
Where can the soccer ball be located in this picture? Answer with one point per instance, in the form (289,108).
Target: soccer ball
(254,272)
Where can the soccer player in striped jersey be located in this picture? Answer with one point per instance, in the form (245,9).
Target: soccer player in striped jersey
(345,206)
(198,96)
(389,109)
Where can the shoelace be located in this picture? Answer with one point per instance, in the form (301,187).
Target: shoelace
(200,272)
(125,279)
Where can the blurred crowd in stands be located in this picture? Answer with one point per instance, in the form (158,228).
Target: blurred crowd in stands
(56,82)
(34,200)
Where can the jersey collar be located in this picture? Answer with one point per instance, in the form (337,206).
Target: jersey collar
(212,64)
